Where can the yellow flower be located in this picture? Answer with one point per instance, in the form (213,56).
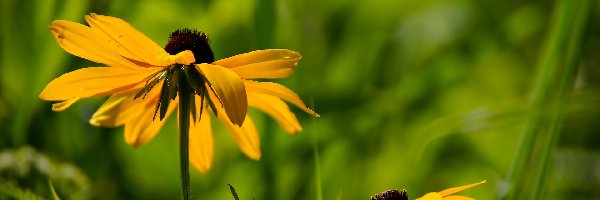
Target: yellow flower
(145,82)
(446,194)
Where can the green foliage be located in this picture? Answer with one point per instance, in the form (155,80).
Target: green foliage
(13,191)
(422,95)
(27,174)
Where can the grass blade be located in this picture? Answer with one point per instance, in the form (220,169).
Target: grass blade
(554,81)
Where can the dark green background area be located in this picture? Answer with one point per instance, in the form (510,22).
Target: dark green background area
(421,95)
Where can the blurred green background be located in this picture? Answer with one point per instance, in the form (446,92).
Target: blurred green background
(414,94)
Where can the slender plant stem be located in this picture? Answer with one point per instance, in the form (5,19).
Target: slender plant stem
(571,62)
(185,98)
(557,65)
(315,143)
(318,185)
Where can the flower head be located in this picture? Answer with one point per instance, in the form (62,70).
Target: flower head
(447,193)
(144,82)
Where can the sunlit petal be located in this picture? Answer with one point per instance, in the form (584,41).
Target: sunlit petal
(453,190)
(120,107)
(278,91)
(246,136)
(277,109)
(270,63)
(115,111)
(458,198)
(445,194)
(131,42)
(201,140)
(93,81)
(82,41)
(431,196)
(185,57)
(141,127)
(230,90)
(64,104)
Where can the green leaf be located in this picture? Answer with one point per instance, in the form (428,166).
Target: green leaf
(52,190)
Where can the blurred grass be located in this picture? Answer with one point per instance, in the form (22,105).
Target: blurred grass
(554,81)
(422,95)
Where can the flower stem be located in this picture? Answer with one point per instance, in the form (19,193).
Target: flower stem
(185,99)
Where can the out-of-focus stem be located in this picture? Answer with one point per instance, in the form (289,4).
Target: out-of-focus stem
(557,69)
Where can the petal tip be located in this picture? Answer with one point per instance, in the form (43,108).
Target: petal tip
(42,95)
(295,132)
(61,106)
(255,156)
(238,121)
(48,94)
(94,122)
(56,31)
(136,144)
(92,16)
(202,167)
(313,113)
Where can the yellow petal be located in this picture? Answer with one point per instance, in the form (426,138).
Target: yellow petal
(230,90)
(65,104)
(270,63)
(185,57)
(115,111)
(431,196)
(82,41)
(130,42)
(277,109)
(453,190)
(141,127)
(458,198)
(120,107)
(278,91)
(201,141)
(245,136)
(94,81)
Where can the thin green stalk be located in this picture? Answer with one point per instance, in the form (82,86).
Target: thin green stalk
(185,98)
(52,190)
(317,163)
(571,61)
(557,71)
(317,172)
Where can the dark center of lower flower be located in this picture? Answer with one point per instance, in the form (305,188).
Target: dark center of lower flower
(193,40)
(391,195)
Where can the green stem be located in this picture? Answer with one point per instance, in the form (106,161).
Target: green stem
(557,65)
(185,99)
(571,62)
(315,141)
(317,170)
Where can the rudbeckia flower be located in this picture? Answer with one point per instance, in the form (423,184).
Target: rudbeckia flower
(447,194)
(146,83)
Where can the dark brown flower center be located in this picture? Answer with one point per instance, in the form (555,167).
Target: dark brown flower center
(391,195)
(193,40)
(182,80)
